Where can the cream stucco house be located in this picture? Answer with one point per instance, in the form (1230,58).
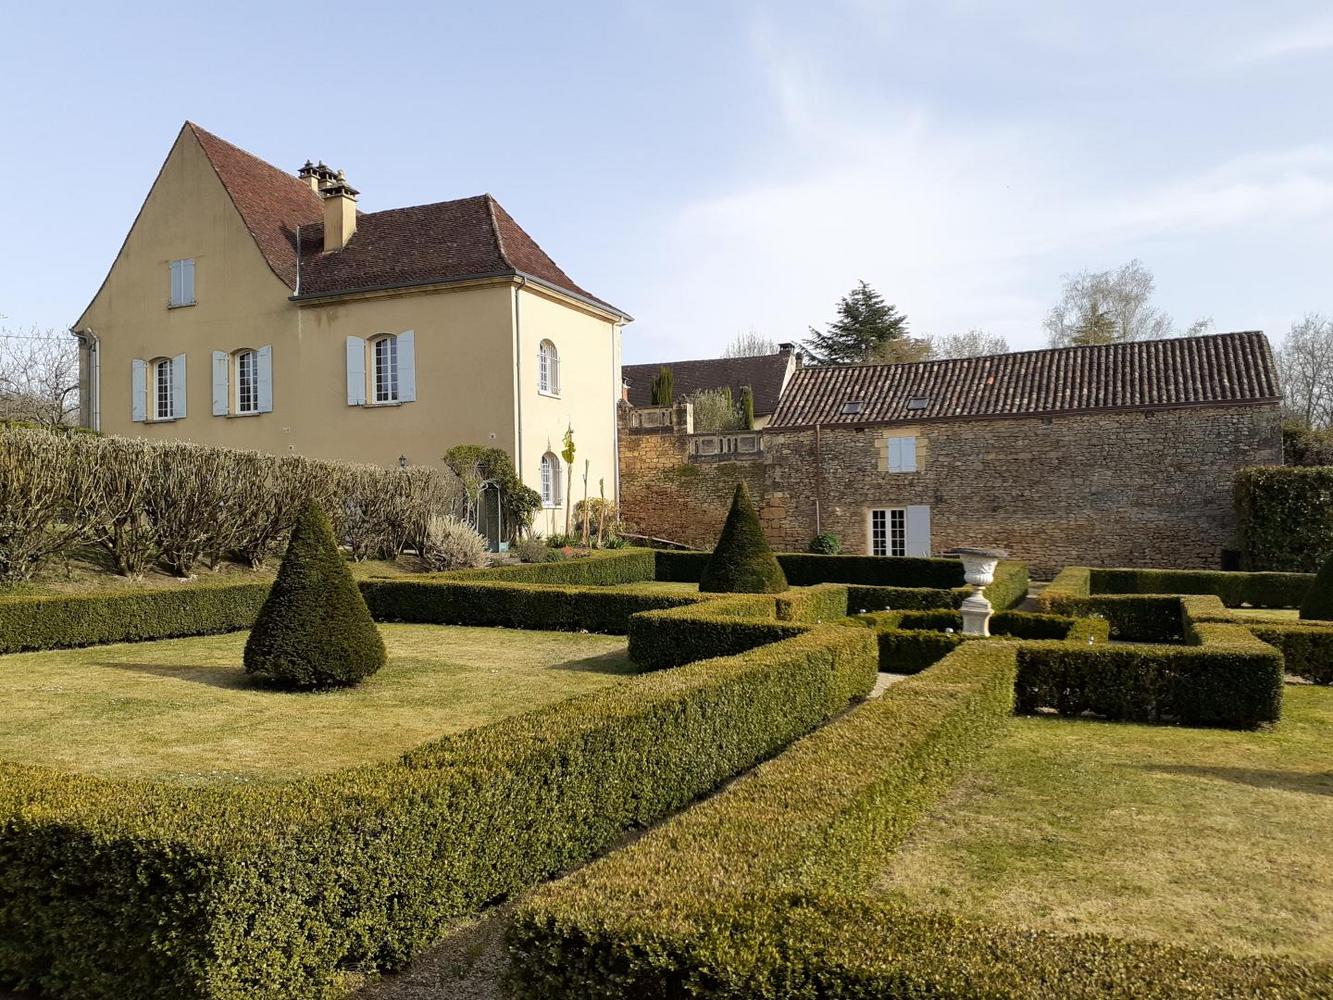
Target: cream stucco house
(253,308)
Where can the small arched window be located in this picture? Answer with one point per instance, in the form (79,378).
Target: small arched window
(548,369)
(247,381)
(384,371)
(163,390)
(550,480)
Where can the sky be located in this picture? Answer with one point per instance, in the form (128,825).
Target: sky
(716,168)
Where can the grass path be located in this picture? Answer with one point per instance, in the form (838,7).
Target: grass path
(1208,836)
(184,710)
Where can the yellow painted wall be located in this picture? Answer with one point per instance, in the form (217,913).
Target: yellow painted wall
(467,378)
(589,348)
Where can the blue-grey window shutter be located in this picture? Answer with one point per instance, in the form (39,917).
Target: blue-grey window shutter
(138,390)
(264,378)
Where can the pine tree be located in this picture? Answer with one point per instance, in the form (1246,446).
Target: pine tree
(663,390)
(314,630)
(867,329)
(742,562)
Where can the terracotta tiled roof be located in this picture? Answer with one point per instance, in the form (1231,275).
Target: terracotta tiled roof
(1224,368)
(425,244)
(764,375)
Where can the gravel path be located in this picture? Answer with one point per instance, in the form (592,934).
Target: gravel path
(468,964)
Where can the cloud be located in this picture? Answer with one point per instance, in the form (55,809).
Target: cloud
(962,225)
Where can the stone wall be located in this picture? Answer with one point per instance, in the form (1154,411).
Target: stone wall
(1139,488)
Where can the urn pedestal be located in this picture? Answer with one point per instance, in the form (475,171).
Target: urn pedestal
(979,572)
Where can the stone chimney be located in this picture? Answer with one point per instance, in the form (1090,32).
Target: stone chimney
(339,212)
(316,175)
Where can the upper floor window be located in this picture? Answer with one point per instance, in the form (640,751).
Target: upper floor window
(902,454)
(548,369)
(385,369)
(164,390)
(550,480)
(247,381)
(182,283)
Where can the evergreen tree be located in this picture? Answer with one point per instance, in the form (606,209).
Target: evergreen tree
(663,391)
(747,408)
(742,562)
(314,630)
(867,329)
(1318,600)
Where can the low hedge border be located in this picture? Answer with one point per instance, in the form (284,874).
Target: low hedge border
(910,641)
(35,623)
(881,582)
(515,605)
(1227,677)
(763,890)
(726,626)
(1306,645)
(825,602)
(599,569)
(118,888)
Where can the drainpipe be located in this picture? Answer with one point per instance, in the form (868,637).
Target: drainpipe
(518,377)
(615,420)
(819,481)
(88,341)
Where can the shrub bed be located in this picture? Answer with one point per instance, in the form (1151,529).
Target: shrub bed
(33,623)
(1228,678)
(1132,617)
(825,602)
(762,891)
(600,569)
(113,889)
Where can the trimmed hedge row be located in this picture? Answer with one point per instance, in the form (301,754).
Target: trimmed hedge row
(119,888)
(33,623)
(1008,590)
(825,602)
(1306,645)
(1261,590)
(727,626)
(1284,517)
(600,569)
(1227,678)
(764,890)
(700,906)
(1132,617)
(515,605)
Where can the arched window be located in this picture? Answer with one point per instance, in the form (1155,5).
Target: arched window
(550,480)
(548,369)
(384,368)
(247,381)
(163,390)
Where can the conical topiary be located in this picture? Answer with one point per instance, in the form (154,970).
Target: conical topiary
(314,630)
(742,563)
(1318,600)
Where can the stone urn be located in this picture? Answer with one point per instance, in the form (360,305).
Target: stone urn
(979,572)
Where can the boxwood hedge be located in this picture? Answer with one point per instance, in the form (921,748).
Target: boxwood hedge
(729,625)
(124,888)
(600,569)
(765,889)
(1284,517)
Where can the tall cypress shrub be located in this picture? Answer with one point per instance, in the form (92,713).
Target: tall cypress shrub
(742,562)
(1318,602)
(314,630)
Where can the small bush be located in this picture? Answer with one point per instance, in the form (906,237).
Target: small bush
(1318,600)
(826,543)
(315,630)
(535,550)
(742,562)
(451,544)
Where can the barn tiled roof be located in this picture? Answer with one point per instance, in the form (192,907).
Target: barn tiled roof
(765,374)
(1225,368)
(425,244)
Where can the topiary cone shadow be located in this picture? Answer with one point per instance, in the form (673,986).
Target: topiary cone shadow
(742,562)
(314,631)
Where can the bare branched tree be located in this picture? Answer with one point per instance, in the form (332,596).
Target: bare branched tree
(1105,307)
(1305,366)
(750,344)
(39,377)
(973,344)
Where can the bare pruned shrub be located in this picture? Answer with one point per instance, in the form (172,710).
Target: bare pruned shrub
(46,497)
(186,501)
(448,543)
(119,522)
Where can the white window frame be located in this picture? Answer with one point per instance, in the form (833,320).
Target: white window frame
(163,389)
(246,365)
(548,369)
(384,371)
(901,454)
(886,529)
(550,480)
(182,283)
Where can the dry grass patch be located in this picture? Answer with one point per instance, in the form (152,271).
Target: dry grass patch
(1202,836)
(184,710)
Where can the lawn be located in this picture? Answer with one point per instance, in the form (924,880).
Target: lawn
(184,710)
(1200,835)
